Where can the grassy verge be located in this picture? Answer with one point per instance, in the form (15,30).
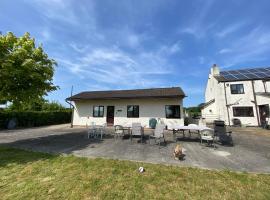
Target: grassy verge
(30,175)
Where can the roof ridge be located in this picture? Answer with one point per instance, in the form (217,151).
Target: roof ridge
(131,89)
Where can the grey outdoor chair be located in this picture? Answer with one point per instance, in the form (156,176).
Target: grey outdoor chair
(91,130)
(137,130)
(158,134)
(118,131)
(101,130)
(209,136)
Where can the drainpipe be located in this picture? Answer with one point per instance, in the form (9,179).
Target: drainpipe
(255,101)
(264,85)
(226,101)
(72,113)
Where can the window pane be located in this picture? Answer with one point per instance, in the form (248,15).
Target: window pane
(237,89)
(243,112)
(132,111)
(172,111)
(101,111)
(136,111)
(96,109)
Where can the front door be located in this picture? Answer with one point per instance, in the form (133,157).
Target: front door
(264,113)
(110,115)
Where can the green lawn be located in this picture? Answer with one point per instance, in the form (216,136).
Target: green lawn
(29,175)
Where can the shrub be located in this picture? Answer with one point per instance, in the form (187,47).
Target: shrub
(34,118)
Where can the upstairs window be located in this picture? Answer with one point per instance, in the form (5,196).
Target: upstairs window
(237,88)
(98,111)
(172,111)
(243,111)
(133,111)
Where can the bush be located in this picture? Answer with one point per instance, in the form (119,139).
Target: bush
(34,118)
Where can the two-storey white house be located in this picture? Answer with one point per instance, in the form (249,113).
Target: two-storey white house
(237,95)
(123,107)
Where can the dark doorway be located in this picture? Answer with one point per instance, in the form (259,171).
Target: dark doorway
(110,115)
(264,113)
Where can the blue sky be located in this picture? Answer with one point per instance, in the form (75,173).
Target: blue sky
(124,44)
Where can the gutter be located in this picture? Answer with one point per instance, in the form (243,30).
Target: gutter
(72,113)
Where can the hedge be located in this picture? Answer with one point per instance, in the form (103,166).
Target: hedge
(34,118)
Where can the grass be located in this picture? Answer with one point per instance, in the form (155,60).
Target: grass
(32,175)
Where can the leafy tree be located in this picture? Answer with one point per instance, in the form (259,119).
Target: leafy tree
(40,105)
(53,106)
(26,72)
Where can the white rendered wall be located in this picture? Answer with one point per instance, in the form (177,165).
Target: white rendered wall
(215,90)
(148,108)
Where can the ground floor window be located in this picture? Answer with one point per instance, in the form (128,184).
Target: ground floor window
(172,111)
(133,111)
(98,111)
(243,111)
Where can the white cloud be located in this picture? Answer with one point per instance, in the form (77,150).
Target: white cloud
(119,69)
(225,50)
(255,46)
(230,29)
(197,26)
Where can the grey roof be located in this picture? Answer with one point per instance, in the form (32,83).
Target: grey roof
(244,74)
(208,103)
(173,92)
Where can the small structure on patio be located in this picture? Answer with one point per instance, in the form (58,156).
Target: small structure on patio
(124,107)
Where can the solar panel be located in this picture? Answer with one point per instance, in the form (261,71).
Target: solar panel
(268,74)
(261,75)
(246,74)
(224,73)
(229,77)
(240,76)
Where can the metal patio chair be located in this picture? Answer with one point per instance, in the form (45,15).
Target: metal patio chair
(91,130)
(158,134)
(136,130)
(209,136)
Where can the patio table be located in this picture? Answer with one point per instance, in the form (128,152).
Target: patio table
(128,129)
(177,128)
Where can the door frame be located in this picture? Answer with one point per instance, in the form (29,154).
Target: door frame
(107,117)
(264,107)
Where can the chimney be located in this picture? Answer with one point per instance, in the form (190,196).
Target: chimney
(215,70)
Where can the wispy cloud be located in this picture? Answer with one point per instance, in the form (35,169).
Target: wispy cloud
(116,67)
(230,29)
(197,26)
(254,46)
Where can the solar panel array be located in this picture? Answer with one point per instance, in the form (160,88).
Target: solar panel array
(245,74)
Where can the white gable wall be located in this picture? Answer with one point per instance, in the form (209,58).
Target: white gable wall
(218,109)
(148,108)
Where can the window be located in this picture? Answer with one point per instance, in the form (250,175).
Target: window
(237,88)
(172,111)
(98,111)
(132,111)
(243,112)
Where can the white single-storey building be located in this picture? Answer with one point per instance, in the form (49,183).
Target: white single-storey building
(123,107)
(238,95)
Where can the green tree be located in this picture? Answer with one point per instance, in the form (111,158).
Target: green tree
(53,106)
(26,72)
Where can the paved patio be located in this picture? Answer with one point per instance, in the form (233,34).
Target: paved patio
(251,151)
